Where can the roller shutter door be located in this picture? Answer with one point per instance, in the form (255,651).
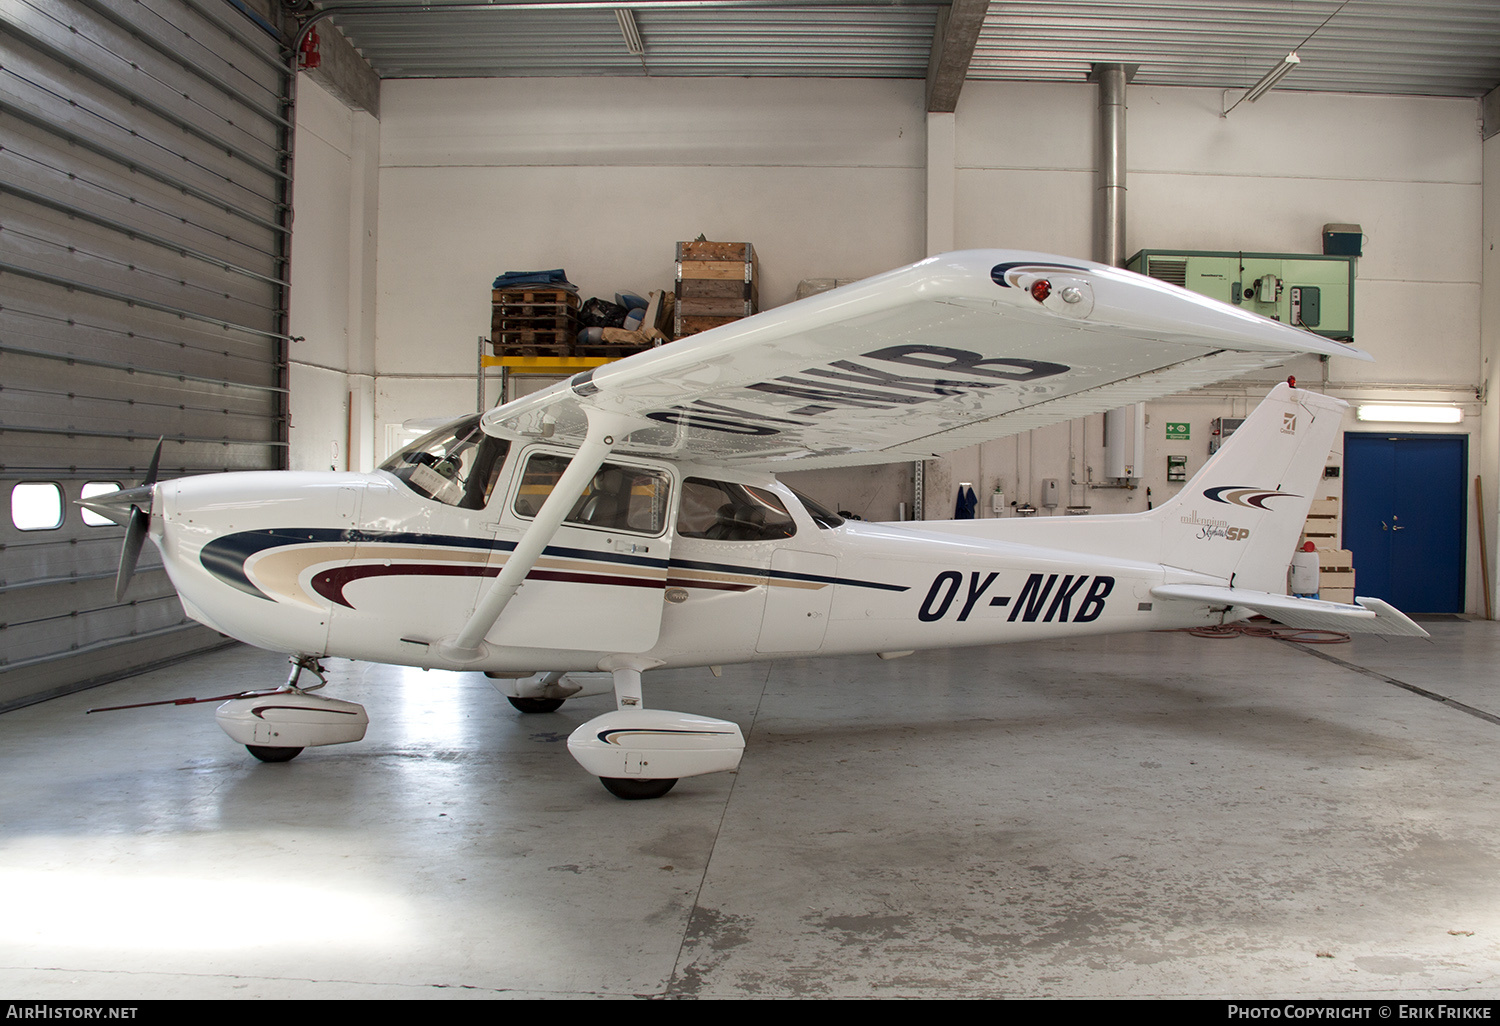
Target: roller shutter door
(144,181)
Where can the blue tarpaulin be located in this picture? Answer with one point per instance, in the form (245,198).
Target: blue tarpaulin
(557,279)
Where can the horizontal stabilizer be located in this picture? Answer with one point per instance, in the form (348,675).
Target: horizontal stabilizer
(1370,616)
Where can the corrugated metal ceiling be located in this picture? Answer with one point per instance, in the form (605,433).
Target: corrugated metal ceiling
(1425,47)
(861,40)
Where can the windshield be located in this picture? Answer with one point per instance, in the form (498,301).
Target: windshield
(458,464)
(823,517)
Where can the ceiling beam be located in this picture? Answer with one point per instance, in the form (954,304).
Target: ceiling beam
(953,45)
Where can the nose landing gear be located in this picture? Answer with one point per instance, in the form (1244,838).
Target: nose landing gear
(274,726)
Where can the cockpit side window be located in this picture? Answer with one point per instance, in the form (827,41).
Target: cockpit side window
(619,498)
(458,464)
(719,511)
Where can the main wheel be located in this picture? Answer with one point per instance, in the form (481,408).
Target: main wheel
(537,705)
(634,790)
(265,753)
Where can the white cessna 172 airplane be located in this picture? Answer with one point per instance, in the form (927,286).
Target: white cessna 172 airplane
(629,518)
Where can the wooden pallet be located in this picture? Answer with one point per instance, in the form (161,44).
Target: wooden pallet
(533,322)
(533,343)
(542,322)
(553,298)
(504,322)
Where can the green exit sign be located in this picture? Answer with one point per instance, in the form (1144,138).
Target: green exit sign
(1178,432)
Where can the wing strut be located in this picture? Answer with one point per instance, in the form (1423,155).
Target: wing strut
(604,430)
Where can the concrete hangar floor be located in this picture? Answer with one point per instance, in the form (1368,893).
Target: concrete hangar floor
(1150,815)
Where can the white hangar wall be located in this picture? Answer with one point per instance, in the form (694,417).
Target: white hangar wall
(1266,178)
(603,177)
(334,251)
(831,178)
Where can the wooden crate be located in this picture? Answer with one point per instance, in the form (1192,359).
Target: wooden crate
(717,283)
(1335,559)
(1337,579)
(1322,526)
(1336,575)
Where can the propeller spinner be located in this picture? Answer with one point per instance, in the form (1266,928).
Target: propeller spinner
(131,509)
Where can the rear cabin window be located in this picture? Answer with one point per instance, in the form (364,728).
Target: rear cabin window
(458,464)
(720,511)
(619,498)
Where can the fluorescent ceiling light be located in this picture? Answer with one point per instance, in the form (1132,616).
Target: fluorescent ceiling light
(1270,78)
(630,32)
(1410,413)
(1273,76)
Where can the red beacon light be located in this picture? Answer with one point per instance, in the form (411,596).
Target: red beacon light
(1041,289)
(1291,381)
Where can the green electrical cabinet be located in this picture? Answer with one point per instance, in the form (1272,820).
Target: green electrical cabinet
(1302,289)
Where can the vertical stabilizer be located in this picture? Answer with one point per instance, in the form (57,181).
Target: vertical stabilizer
(1240,517)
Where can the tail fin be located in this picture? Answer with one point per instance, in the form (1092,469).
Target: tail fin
(1240,517)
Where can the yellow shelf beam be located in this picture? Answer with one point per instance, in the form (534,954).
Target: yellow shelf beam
(555,365)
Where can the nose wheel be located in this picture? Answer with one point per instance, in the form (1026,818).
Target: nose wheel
(265,753)
(636,790)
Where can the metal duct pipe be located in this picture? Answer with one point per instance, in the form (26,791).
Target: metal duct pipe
(1121,431)
(1109,223)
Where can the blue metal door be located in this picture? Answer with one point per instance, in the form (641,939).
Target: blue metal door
(1405,517)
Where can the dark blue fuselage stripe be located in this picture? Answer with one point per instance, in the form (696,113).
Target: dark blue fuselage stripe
(785,575)
(225,557)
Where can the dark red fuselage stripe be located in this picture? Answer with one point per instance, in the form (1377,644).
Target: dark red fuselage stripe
(683,582)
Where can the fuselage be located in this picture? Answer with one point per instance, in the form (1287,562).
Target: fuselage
(384,566)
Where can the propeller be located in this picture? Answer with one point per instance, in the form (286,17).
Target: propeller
(131,509)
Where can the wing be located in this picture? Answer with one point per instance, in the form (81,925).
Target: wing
(945,353)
